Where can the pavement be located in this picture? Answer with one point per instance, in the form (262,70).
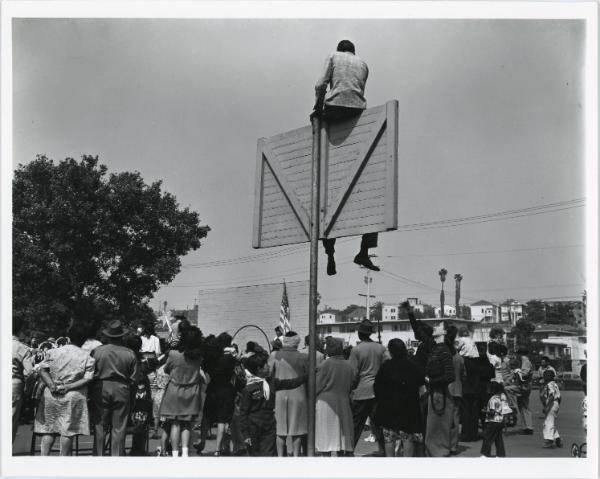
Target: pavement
(568,423)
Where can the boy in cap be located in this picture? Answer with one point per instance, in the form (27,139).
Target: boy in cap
(257,405)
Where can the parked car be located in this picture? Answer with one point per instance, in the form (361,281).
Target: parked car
(570,381)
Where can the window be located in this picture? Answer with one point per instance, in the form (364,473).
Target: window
(392,317)
(394,327)
(393,310)
(329,329)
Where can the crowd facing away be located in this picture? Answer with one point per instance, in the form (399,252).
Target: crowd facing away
(416,403)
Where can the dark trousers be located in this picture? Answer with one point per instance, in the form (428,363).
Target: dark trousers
(109,404)
(469,413)
(361,410)
(263,439)
(369,240)
(492,433)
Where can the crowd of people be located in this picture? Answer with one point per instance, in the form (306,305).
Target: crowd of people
(417,403)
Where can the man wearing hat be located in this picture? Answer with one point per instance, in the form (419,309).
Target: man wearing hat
(115,370)
(366,358)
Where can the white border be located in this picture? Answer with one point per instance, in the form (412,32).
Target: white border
(313,467)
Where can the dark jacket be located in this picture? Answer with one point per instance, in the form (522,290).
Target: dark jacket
(256,412)
(397,393)
(440,369)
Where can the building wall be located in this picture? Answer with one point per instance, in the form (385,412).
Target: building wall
(390,312)
(327,318)
(228,309)
(449,311)
(484,313)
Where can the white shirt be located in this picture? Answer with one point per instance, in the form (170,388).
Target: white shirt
(90,345)
(150,345)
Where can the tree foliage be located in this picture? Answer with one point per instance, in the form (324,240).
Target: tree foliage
(522,333)
(87,240)
(536,311)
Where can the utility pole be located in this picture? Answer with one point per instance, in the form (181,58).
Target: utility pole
(368,280)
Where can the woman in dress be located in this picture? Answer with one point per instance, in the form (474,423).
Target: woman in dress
(181,403)
(63,409)
(290,405)
(398,412)
(220,394)
(336,378)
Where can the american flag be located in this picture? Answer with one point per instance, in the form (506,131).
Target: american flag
(284,313)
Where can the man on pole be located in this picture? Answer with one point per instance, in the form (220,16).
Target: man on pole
(346,74)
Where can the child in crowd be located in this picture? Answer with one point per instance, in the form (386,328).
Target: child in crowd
(494,423)
(257,404)
(181,403)
(550,396)
(465,345)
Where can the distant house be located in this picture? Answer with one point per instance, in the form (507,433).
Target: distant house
(484,312)
(449,311)
(390,312)
(330,316)
(416,304)
(511,311)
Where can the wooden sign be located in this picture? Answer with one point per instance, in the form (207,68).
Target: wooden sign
(359,180)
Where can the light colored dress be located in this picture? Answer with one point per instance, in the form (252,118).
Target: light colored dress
(182,400)
(291,408)
(334,425)
(65,414)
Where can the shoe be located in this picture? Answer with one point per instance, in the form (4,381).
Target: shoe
(217,454)
(548,444)
(364,260)
(199,446)
(527,432)
(558,442)
(331,265)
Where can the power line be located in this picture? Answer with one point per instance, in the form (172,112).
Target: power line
(466,253)
(468,220)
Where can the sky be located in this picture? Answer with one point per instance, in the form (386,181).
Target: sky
(490,128)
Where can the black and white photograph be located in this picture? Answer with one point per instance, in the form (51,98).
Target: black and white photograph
(340,232)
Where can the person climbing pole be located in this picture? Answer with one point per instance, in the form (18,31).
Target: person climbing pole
(346,74)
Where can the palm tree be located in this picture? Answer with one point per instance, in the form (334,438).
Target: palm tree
(442,272)
(458,278)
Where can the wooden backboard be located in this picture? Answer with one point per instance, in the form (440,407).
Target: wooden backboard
(359,180)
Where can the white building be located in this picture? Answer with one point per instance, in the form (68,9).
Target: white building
(511,311)
(573,348)
(390,312)
(330,316)
(484,312)
(449,311)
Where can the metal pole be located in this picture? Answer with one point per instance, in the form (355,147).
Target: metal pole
(314,262)
(368,295)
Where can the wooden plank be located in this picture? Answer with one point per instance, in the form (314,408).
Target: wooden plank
(354,172)
(287,189)
(258,196)
(391,197)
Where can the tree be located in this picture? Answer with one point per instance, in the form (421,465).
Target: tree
(535,311)
(376,313)
(347,310)
(442,272)
(465,312)
(522,333)
(560,313)
(83,239)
